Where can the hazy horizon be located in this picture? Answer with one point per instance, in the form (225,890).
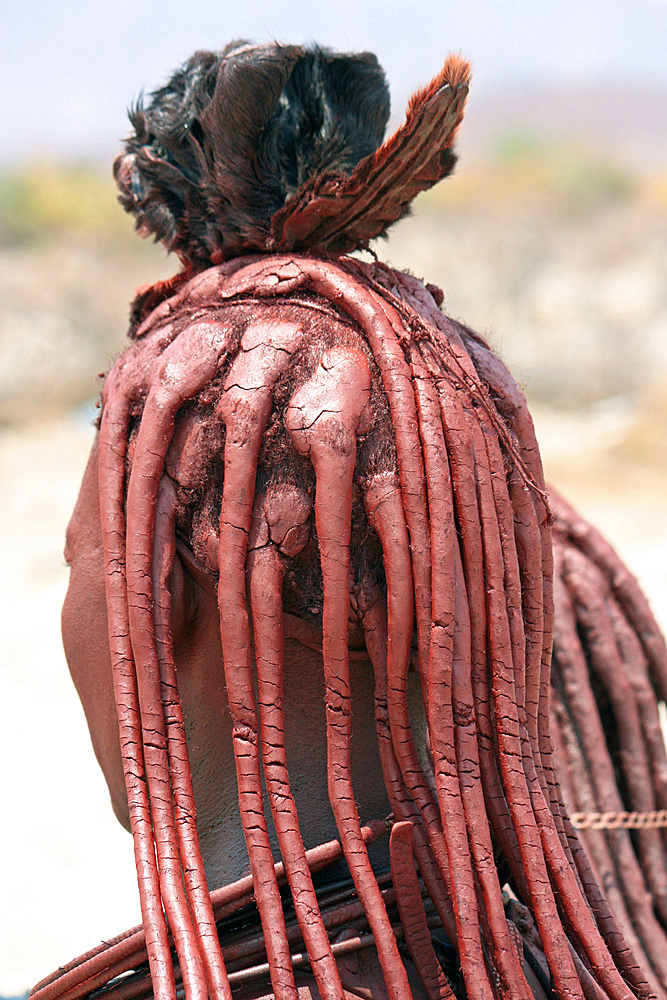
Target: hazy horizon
(69,72)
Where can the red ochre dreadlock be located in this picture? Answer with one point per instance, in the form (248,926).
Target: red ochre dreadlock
(402,431)
(609,672)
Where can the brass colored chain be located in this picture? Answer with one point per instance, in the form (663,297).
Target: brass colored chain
(620,820)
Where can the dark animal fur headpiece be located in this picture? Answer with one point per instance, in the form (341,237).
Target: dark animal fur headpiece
(265,147)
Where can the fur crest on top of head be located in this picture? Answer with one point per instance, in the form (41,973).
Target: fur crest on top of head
(222,146)
(236,140)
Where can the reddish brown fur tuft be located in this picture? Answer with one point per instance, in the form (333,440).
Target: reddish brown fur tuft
(340,213)
(456,72)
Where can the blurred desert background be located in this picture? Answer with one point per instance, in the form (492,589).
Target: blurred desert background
(551,239)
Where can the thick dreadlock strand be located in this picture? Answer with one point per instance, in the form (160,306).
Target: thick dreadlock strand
(142,492)
(374,619)
(460,453)
(245,408)
(341,386)
(172,381)
(560,868)
(599,611)
(383,327)
(113,444)
(445,646)
(181,777)
(608,669)
(386,516)
(413,917)
(507,729)
(625,588)
(593,777)
(450,634)
(266,572)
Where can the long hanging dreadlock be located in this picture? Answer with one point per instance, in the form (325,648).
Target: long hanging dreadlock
(609,675)
(311,425)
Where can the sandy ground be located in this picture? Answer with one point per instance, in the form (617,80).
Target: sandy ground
(69,873)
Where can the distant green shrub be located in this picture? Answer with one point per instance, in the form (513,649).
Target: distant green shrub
(587,181)
(580,178)
(45,201)
(518,146)
(527,168)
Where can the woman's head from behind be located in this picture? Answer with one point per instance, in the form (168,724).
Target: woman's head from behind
(290,455)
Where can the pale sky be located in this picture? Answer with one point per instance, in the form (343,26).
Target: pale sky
(69,70)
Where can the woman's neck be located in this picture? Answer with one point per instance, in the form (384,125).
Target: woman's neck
(214,771)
